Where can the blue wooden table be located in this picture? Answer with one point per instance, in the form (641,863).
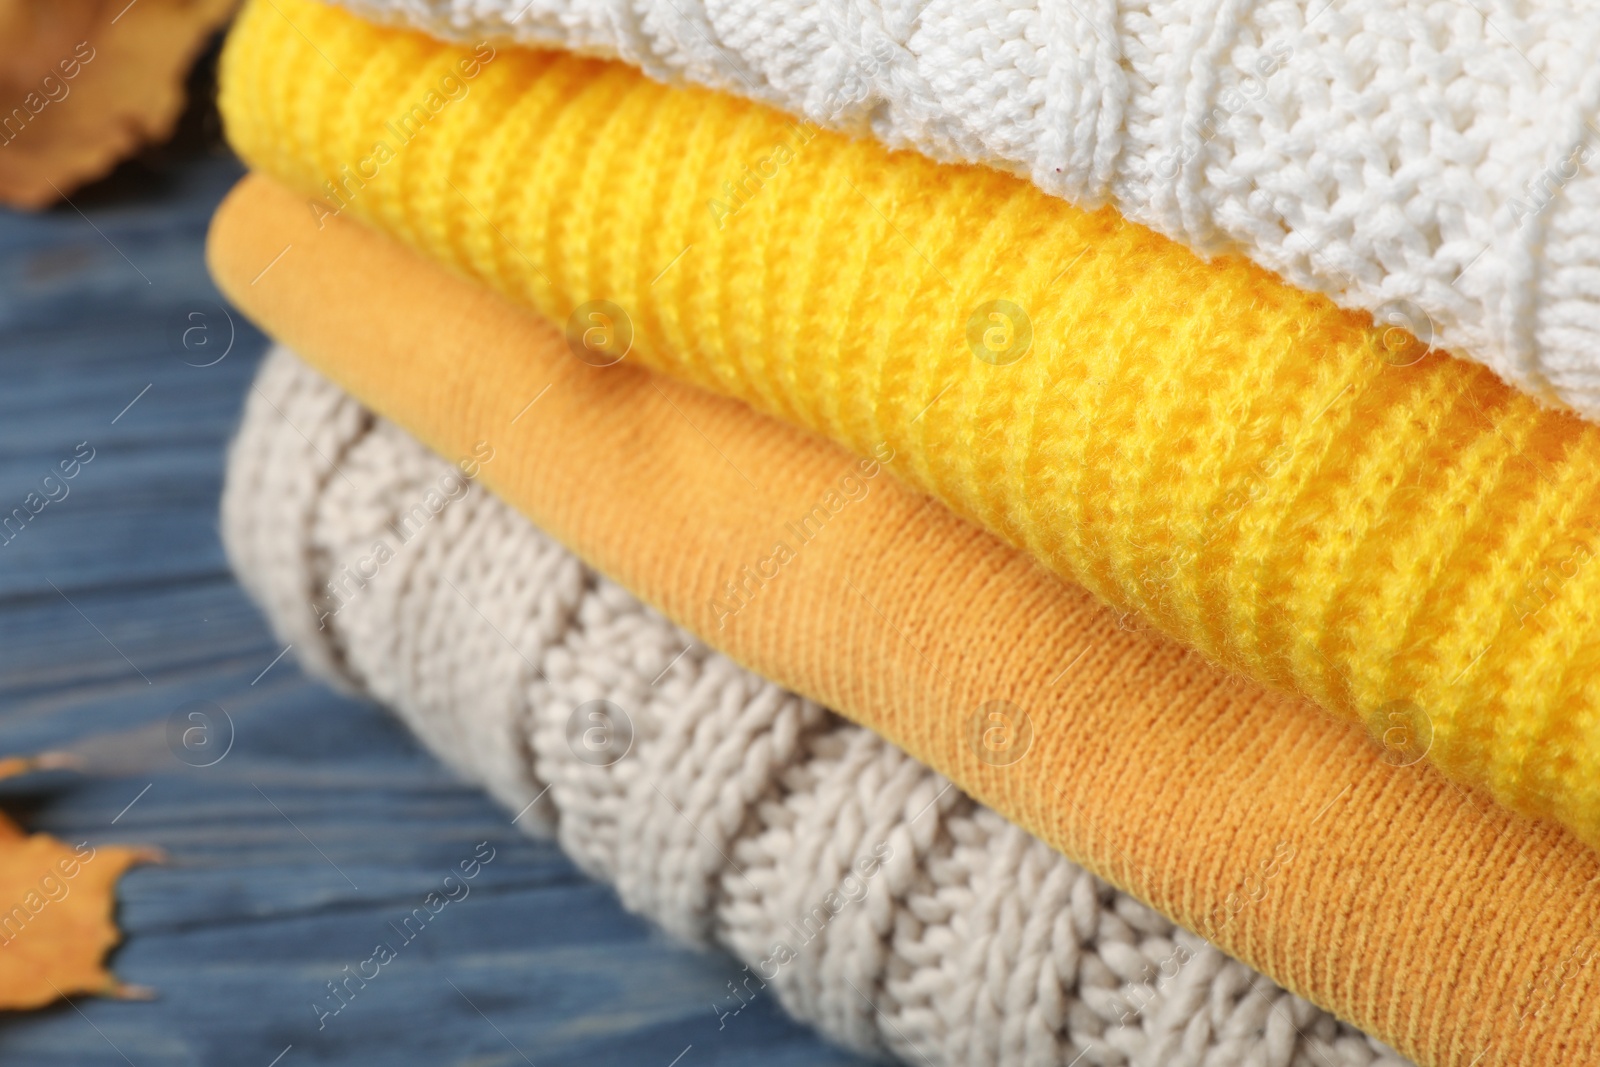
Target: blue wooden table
(324,823)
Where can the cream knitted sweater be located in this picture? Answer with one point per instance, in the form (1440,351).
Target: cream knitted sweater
(860,888)
(1433,164)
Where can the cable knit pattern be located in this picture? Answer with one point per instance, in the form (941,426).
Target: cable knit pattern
(1237,462)
(739,807)
(1433,164)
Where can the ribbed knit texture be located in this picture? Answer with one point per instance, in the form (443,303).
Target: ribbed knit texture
(737,812)
(1431,163)
(1428,917)
(1231,459)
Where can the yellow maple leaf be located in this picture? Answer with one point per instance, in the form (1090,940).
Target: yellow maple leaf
(56,905)
(84,83)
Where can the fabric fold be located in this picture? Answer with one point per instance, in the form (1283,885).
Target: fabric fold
(719,806)
(1443,925)
(1302,497)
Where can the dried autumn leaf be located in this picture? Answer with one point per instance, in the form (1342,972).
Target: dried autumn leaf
(84,83)
(56,903)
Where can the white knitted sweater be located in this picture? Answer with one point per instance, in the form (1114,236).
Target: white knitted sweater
(728,810)
(1431,163)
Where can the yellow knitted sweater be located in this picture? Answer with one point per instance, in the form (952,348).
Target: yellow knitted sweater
(1273,481)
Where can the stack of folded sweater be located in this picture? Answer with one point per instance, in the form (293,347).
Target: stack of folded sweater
(1208,642)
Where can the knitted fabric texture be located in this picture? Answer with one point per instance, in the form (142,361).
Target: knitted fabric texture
(719,805)
(1234,460)
(1435,921)
(1432,164)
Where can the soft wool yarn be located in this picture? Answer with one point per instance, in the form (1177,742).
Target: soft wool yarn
(1147,766)
(1233,460)
(1433,164)
(738,810)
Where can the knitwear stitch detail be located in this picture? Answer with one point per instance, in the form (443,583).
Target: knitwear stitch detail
(1236,462)
(984,946)
(1436,921)
(1432,165)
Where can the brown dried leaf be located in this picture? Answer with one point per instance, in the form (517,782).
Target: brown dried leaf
(56,904)
(84,83)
